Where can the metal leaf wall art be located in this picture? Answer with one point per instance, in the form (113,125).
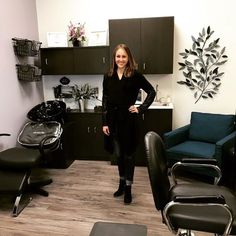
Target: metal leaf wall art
(201,65)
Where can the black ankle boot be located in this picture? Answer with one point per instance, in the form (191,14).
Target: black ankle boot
(128,195)
(121,189)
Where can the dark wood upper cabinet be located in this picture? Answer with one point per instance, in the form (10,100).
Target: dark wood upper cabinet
(69,61)
(91,60)
(150,40)
(57,61)
(157,36)
(125,31)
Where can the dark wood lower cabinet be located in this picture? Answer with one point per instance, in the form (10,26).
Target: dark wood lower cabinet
(157,120)
(87,136)
(88,141)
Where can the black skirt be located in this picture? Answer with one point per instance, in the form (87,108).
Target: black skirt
(122,126)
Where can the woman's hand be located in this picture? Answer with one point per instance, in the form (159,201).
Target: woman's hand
(133,109)
(105,130)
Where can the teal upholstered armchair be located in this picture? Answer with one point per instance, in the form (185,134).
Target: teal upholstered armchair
(207,136)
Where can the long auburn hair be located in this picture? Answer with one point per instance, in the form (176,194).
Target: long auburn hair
(131,65)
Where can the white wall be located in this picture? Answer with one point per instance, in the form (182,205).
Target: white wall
(190,17)
(220,16)
(17,19)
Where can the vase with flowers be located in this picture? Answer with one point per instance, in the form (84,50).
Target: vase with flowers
(84,92)
(77,33)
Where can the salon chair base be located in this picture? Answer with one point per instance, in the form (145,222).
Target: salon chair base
(35,186)
(17,177)
(17,184)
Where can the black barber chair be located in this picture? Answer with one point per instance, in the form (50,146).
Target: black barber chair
(16,165)
(38,137)
(188,206)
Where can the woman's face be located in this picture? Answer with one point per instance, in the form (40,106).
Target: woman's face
(121,58)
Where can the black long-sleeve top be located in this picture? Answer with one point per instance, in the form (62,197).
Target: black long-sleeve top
(123,93)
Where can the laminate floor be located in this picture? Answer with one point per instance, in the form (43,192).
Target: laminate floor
(80,196)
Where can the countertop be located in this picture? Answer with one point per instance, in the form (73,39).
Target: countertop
(158,105)
(154,105)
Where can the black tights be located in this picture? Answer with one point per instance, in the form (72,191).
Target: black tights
(125,162)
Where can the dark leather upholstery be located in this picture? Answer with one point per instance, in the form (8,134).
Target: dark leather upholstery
(192,216)
(16,165)
(158,172)
(12,182)
(19,158)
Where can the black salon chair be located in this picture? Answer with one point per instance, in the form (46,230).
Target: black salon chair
(16,165)
(188,206)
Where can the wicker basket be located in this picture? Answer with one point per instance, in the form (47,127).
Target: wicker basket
(25,47)
(28,73)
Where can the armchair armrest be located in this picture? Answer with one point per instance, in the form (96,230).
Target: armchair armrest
(200,161)
(209,200)
(176,136)
(200,199)
(223,145)
(197,163)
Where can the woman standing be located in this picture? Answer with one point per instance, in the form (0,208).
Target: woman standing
(120,90)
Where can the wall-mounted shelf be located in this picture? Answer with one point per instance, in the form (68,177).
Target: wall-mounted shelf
(23,49)
(28,72)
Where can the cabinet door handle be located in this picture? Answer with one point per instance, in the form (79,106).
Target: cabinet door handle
(103,60)
(88,129)
(95,129)
(144,66)
(143,116)
(46,61)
